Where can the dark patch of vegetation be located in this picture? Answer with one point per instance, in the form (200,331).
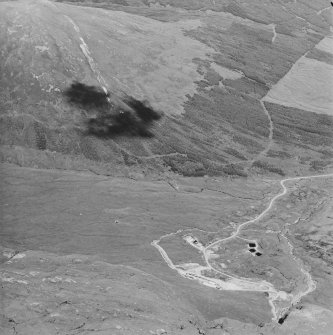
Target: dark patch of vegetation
(326,153)
(236,10)
(185,166)
(320,55)
(297,129)
(268,167)
(250,144)
(234,170)
(129,117)
(40,136)
(235,153)
(318,165)
(212,77)
(300,128)
(129,160)
(278,154)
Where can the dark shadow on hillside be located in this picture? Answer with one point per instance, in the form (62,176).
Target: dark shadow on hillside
(86,96)
(128,117)
(142,109)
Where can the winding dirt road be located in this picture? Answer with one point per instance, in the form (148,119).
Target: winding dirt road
(275,297)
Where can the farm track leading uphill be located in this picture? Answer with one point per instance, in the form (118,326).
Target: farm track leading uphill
(237,283)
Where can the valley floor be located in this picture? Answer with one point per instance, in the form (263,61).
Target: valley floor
(71,237)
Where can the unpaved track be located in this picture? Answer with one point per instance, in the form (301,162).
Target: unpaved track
(270,205)
(270,135)
(250,285)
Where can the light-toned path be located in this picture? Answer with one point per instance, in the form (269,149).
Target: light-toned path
(270,135)
(272,25)
(85,50)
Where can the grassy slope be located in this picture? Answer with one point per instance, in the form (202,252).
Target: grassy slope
(109,223)
(220,126)
(116,219)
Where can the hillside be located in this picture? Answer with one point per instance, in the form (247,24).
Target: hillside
(166,167)
(77,254)
(203,68)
